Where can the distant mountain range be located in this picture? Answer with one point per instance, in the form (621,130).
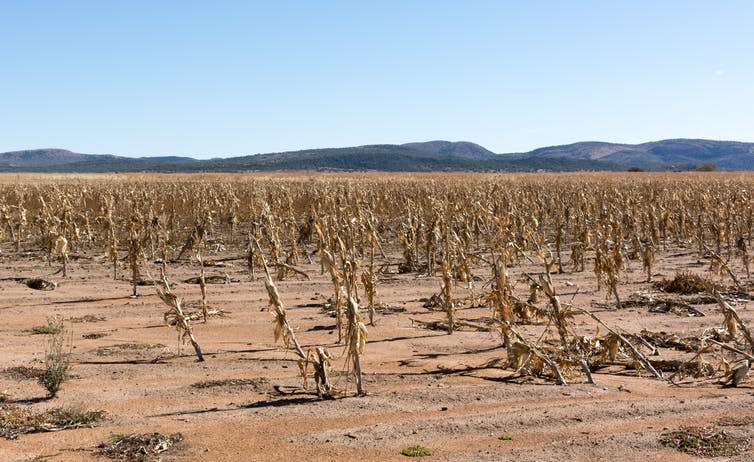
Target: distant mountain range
(677,154)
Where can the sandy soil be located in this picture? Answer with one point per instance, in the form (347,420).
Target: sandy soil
(446,392)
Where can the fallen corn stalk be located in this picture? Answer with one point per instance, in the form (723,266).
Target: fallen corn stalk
(636,353)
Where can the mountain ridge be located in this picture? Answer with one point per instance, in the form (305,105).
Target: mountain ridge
(428,156)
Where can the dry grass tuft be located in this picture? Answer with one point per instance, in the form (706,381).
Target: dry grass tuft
(686,284)
(231,383)
(17,420)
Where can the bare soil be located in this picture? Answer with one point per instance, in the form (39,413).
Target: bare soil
(449,393)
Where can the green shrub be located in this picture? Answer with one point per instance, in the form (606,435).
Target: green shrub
(57,357)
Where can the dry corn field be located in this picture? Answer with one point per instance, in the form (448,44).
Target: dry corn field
(335,317)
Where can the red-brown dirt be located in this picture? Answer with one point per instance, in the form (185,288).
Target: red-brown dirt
(449,393)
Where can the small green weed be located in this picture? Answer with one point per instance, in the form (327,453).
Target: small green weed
(416,451)
(505,437)
(44,330)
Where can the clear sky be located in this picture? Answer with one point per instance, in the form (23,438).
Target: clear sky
(224,78)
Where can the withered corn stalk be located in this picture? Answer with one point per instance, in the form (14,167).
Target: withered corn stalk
(647,253)
(500,297)
(740,369)
(446,296)
(112,235)
(356,331)
(318,358)
(634,351)
(560,317)
(560,380)
(328,264)
(61,250)
(730,316)
(175,316)
(135,254)
(369,278)
(356,339)
(737,372)
(202,284)
(718,265)
(250,253)
(194,239)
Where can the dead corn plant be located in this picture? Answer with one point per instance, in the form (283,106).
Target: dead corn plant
(718,266)
(318,358)
(202,284)
(135,254)
(733,323)
(500,297)
(61,251)
(175,317)
(369,278)
(446,295)
(336,277)
(356,331)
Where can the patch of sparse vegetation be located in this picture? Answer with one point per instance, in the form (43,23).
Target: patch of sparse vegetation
(17,420)
(706,441)
(139,346)
(416,451)
(109,350)
(338,373)
(685,283)
(44,330)
(23,373)
(505,437)
(736,421)
(94,335)
(87,318)
(135,447)
(229,383)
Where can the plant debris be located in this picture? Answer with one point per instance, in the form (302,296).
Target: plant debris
(687,284)
(706,441)
(669,340)
(110,350)
(736,421)
(136,447)
(94,335)
(15,420)
(677,308)
(215,279)
(23,373)
(256,382)
(87,318)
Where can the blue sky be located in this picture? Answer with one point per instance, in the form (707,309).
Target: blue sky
(223,78)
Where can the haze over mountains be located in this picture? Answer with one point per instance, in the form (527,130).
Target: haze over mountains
(676,154)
